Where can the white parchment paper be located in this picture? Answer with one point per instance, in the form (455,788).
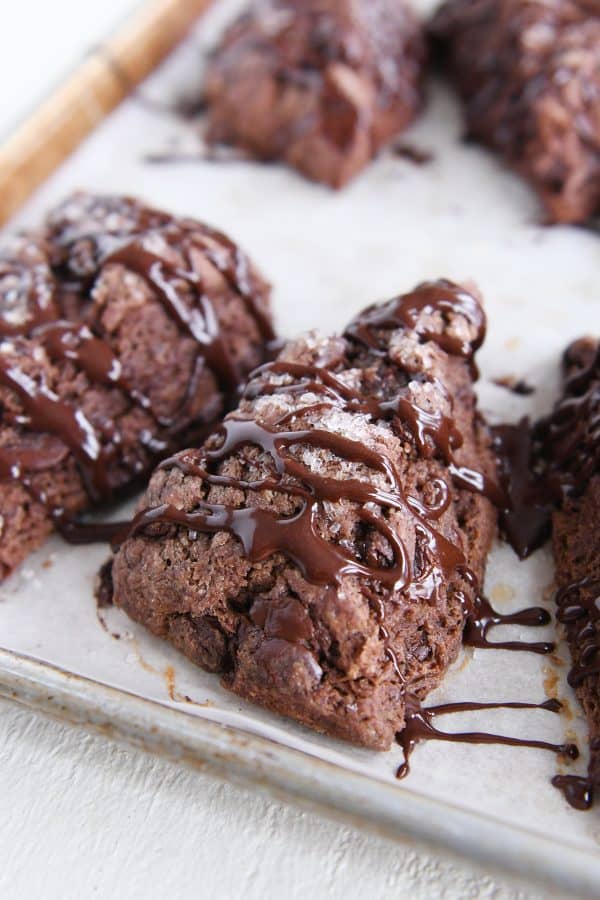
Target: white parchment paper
(328,255)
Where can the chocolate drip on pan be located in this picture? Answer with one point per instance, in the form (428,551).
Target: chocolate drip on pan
(577,791)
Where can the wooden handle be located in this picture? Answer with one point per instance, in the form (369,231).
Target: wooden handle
(96,87)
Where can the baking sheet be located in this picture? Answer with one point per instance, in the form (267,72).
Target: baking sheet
(328,255)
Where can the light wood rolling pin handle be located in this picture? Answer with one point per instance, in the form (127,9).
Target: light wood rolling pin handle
(95,88)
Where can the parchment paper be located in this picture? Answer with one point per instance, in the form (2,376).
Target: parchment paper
(328,255)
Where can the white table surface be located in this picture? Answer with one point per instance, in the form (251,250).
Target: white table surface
(81,816)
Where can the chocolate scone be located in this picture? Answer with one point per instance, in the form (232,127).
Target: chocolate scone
(123,334)
(528,72)
(322,550)
(571,446)
(320,84)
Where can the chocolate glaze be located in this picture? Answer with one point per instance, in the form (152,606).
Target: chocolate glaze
(570,436)
(48,414)
(322,562)
(578,611)
(97,448)
(198,321)
(569,450)
(419,727)
(262,533)
(435,299)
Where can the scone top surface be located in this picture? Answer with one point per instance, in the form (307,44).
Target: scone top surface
(122,331)
(315,549)
(529,74)
(321,84)
(570,440)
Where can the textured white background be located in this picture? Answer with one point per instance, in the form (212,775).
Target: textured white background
(82,817)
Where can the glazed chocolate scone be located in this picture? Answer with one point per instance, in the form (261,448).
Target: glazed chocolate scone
(321,551)
(123,334)
(320,84)
(571,446)
(528,72)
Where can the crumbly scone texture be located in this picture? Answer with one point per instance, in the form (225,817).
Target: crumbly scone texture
(528,72)
(57,274)
(315,652)
(576,544)
(320,84)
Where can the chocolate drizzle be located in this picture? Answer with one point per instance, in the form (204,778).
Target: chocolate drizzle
(54,426)
(421,311)
(570,436)
(198,320)
(578,611)
(263,533)
(48,414)
(322,561)
(480,617)
(569,448)
(419,727)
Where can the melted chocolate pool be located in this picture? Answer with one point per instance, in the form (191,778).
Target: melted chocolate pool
(419,727)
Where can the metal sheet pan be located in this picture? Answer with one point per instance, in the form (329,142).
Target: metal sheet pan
(460,216)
